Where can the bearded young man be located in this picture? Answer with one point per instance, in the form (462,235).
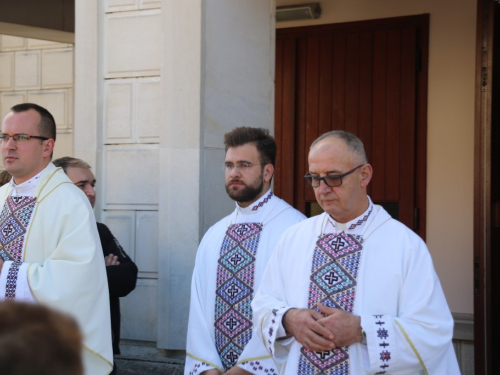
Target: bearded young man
(231,260)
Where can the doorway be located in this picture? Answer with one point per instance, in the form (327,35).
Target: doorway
(368,78)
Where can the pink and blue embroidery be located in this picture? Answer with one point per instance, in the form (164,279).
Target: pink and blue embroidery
(234,291)
(14,220)
(332,283)
(262,202)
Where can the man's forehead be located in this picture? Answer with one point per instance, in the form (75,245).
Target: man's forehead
(26,120)
(79,174)
(243,152)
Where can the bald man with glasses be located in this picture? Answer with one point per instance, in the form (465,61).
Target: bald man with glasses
(352,291)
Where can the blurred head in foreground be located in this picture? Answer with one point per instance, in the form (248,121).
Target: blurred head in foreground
(36,340)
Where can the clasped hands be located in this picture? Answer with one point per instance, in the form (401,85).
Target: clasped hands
(318,332)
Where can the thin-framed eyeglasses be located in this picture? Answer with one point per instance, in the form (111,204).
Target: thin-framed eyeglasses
(20,137)
(242,166)
(331,180)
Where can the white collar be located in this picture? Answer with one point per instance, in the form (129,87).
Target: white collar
(355,226)
(26,188)
(257,206)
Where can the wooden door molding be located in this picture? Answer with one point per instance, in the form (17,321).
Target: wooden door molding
(482,188)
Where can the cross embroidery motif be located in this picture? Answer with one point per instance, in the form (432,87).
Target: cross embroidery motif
(234,291)
(333,280)
(14,220)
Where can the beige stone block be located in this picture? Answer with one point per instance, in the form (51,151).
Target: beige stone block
(148,110)
(6,71)
(132,175)
(9,100)
(12,43)
(147,242)
(57,68)
(27,70)
(133,44)
(44,44)
(149,4)
(139,312)
(64,144)
(55,101)
(122,225)
(71,107)
(118,116)
(121,5)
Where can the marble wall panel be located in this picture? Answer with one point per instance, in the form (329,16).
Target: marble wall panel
(133,44)
(6,71)
(12,43)
(149,4)
(147,242)
(121,5)
(122,225)
(57,68)
(27,70)
(139,312)
(55,101)
(64,144)
(148,109)
(10,99)
(45,44)
(132,175)
(119,111)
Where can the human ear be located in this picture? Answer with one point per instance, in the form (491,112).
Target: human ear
(366,174)
(48,147)
(268,172)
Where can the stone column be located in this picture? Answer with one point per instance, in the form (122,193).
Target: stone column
(217,74)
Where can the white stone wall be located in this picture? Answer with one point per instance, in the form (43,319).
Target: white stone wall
(41,72)
(128,141)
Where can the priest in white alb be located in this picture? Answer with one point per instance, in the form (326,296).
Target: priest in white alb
(50,251)
(231,259)
(352,291)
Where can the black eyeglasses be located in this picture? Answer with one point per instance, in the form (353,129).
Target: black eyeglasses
(242,166)
(331,180)
(19,137)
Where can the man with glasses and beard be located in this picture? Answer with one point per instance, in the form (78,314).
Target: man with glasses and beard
(231,260)
(352,291)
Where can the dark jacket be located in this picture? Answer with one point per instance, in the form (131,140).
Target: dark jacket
(121,279)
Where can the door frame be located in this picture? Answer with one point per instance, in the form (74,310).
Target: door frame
(482,188)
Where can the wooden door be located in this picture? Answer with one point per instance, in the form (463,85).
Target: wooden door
(369,78)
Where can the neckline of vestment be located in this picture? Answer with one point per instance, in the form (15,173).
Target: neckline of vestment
(357,226)
(26,188)
(263,215)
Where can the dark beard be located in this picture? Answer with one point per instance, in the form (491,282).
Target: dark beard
(247,194)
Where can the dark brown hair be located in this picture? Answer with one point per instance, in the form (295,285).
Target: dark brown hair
(47,124)
(35,339)
(260,137)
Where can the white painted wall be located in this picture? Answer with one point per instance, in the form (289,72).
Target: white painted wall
(450,140)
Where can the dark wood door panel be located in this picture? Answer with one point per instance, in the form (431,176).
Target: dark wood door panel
(362,77)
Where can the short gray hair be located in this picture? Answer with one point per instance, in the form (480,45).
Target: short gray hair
(352,142)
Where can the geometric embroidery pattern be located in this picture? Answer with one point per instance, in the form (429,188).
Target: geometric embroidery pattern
(234,291)
(362,220)
(334,271)
(382,336)
(263,202)
(14,220)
